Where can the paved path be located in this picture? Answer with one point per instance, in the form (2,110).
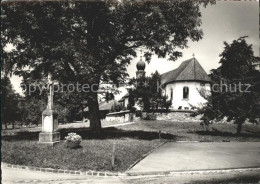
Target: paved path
(174,156)
(15,176)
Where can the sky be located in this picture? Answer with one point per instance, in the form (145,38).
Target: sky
(224,21)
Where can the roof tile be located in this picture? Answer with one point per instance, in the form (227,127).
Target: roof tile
(189,70)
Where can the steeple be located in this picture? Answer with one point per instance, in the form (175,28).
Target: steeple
(140,67)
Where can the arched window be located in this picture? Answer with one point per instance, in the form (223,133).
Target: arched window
(171,93)
(185,92)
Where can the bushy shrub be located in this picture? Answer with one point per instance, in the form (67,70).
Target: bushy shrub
(117,108)
(73,138)
(149,116)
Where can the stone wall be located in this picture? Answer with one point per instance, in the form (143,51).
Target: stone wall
(115,118)
(178,116)
(122,117)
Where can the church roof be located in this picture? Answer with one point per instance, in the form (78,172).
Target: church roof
(189,70)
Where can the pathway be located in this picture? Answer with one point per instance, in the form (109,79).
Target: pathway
(174,156)
(15,176)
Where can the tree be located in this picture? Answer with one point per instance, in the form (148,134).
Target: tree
(131,101)
(166,103)
(68,104)
(32,111)
(9,102)
(236,87)
(149,91)
(92,42)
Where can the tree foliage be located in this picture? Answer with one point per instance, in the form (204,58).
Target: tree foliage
(91,42)
(10,102)
(236,85)
(149,93)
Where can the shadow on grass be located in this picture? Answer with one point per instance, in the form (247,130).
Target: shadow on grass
(106,133)
(216,132)
(30,136)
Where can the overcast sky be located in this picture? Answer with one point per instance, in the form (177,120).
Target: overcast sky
(224,21)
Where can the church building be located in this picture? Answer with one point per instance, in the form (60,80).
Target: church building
(186,85)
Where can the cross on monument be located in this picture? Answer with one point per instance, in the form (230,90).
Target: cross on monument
(51,92)
(49,134)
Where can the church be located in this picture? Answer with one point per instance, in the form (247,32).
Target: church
(185,86)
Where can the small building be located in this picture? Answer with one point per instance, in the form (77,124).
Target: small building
(185,85)
(104,108)
(124,100)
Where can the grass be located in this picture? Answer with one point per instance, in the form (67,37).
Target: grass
(132,142)
(185,131)
(20,146)
(93,155)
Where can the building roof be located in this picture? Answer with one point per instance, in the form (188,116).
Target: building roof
(189,70)
(124,97)
(104,106)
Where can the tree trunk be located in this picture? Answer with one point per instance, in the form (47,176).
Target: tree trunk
(94,115)
(239,123)
(239,128)
(6,126)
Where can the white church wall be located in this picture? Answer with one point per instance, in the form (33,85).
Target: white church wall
(194,99)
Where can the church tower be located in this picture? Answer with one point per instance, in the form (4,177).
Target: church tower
(140,69)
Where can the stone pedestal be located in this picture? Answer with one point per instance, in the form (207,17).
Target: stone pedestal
(49,134)
(49,138)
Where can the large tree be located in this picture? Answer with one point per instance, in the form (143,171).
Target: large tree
(91,42)
(236,85)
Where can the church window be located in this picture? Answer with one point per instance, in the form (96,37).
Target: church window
(185,92)
(171,93)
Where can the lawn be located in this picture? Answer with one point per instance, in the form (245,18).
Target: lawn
(20,146)
(193,131)
(132,141)
(94,154)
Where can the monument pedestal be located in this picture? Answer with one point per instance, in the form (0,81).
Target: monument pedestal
(49,137)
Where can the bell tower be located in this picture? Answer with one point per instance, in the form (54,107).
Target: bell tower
(140,68)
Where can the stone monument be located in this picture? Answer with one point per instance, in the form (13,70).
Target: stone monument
(49,134)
